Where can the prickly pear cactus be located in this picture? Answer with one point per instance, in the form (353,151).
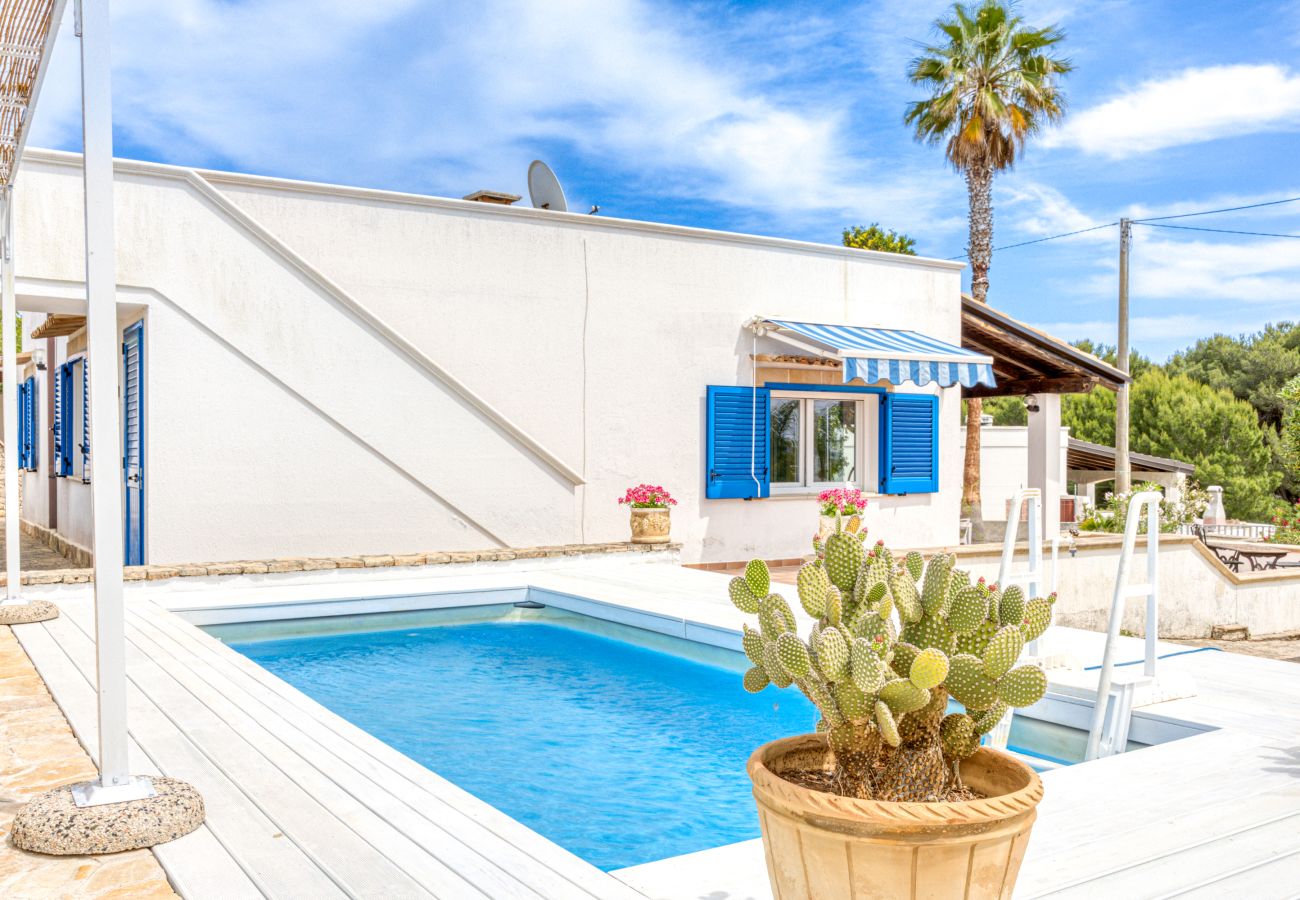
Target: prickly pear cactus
(892,640)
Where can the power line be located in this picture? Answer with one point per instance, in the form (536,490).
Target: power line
(1216,230)
(1210,212)
(1041,240)
(1152,220)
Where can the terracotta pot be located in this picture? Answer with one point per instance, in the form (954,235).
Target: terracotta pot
(821,846)
(651,526)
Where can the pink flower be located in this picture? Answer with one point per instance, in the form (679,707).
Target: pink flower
(648,496)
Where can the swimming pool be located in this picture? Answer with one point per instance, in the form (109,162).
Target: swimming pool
(622,745)
(619,752)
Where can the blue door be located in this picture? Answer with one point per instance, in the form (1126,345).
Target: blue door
(133,441)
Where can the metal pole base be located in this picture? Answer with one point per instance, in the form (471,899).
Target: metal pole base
(57,822)
(25,613)
(94,793)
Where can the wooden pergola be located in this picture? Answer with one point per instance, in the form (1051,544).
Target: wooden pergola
(1028,361)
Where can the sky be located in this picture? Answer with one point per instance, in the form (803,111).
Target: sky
(772,118)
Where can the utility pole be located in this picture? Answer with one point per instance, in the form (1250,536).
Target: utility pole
(1123,466)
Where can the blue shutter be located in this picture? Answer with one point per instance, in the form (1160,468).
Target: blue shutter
(33,429)
(85,419)
(737,443)
(909,444)
(23,425)
(65,419)
(56,426)
(26,432)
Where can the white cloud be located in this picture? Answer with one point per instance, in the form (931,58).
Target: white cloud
(452,97)
(1039,209)
(1153,334)
(1193,106)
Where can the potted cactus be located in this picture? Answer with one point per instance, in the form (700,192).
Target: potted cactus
(893,796)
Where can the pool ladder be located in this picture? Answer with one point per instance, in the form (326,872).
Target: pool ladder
(1110,720)
(1031,579)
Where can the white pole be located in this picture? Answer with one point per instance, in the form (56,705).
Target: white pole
(102,344)
(9,349)
(1153,582)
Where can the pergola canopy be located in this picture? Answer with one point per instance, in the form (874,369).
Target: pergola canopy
(26,41)
(1029,361)
(59,326)
(1087,456)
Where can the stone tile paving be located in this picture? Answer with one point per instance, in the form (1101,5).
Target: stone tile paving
(37,752)
(36,554)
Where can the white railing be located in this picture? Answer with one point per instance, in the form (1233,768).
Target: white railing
(1150,590)
(1031,579)
(1250,531)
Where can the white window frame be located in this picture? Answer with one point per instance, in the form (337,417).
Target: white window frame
(866,441)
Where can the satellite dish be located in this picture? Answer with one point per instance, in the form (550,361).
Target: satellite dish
(544,188)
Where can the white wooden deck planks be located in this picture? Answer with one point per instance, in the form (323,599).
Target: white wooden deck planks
(448,821)
(300,803)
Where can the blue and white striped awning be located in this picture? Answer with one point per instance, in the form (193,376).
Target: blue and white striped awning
(886,354)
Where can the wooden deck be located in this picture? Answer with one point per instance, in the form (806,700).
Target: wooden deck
(303,804)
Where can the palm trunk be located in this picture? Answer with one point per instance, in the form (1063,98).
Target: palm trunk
(979,187)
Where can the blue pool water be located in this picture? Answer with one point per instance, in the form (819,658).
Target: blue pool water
(620,753)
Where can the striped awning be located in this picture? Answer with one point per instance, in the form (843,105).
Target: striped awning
(886,354)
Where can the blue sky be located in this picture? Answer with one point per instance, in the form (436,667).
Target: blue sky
(773,118)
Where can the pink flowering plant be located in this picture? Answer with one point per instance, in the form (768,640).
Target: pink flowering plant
(842,501)
(648,496)
(1288,527)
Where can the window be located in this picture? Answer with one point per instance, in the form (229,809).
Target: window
(822,440)
(797,439)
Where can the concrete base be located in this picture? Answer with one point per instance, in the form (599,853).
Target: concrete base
(23,613)
(53,823)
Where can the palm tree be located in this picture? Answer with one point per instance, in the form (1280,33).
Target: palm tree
(992,84)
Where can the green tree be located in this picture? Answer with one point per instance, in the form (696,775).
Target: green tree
(992,82)
(1090,416)
(1007,410)
(1176,417)
(873,237)
(1109,353)
(1254,367)
(1291,427)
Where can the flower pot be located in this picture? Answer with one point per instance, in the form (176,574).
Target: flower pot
(827,527)
(821,846)
(651,525)
(829,523)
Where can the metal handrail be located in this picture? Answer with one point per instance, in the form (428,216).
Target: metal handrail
(1031,577)
(1151,590)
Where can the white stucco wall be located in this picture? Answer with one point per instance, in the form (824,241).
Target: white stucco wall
(1195,594)
(1004,465)
(280,422)
(72,494)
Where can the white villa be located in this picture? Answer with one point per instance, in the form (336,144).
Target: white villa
(331,370)
(340,370)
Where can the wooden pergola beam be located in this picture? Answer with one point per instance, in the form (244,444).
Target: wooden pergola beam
(59,326)
(1072,384)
